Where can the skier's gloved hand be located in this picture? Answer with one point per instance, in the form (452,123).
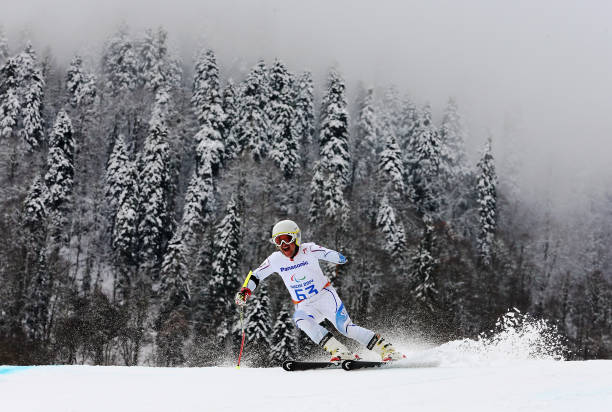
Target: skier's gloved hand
(242,296)
(342,258)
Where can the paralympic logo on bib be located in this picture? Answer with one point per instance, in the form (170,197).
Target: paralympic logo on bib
(294,279)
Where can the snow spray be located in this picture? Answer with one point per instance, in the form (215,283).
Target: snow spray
(515,337)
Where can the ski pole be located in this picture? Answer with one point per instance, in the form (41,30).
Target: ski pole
(244,285)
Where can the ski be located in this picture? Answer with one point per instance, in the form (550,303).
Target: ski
(292,365)
(351,365)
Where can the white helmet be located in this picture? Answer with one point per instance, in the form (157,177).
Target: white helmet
(286,227)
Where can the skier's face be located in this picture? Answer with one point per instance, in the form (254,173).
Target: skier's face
(288,249)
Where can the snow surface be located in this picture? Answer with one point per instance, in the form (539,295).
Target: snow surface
(524,386)
(515,368)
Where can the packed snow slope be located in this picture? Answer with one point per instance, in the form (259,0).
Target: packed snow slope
(518,367)
(524,386)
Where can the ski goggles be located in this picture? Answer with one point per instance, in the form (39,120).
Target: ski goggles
(281,238)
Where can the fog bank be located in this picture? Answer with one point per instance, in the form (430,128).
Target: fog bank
(536,75)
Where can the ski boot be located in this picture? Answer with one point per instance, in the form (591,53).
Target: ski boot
(385,349)
(338,351)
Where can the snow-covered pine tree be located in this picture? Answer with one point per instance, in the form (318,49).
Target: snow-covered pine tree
(121,190)
(207,104)
(37,304)
(197,212)
(31,84)
(209,148)
(124,236)
(10,104)
(32,297)
(487,203)
(156,67)
(281,115)
(252,125)
(174,289)
(283,339)
(392,229)
(60,162)
(155,225)
(334,134)
(304,109)
(390,164)
(423,264)
(119,63)
(225,277)
(316,192)
(336,206)
(81,86)
(149,73)
(74,79)
(117,173)
(230,109)
(424,170)
(125,228)
(200,203)
(368,124)
(258,327)
(206,99)
(334,164)
(34,207)
(201,270)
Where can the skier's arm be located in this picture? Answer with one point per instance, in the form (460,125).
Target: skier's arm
(328,254)
(260,273)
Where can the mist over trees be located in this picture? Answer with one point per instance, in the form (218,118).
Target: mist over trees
(138,190)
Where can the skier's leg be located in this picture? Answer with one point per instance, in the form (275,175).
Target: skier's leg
(337,314)
(307,322)
(384,348)
(332,306)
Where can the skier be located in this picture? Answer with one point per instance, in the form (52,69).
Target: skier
(314,297)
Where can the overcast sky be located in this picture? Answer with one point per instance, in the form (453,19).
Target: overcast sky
(546,65)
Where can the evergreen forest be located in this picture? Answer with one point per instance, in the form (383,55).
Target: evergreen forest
(138,189)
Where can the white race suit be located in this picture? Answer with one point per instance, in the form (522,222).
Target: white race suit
(314,297)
